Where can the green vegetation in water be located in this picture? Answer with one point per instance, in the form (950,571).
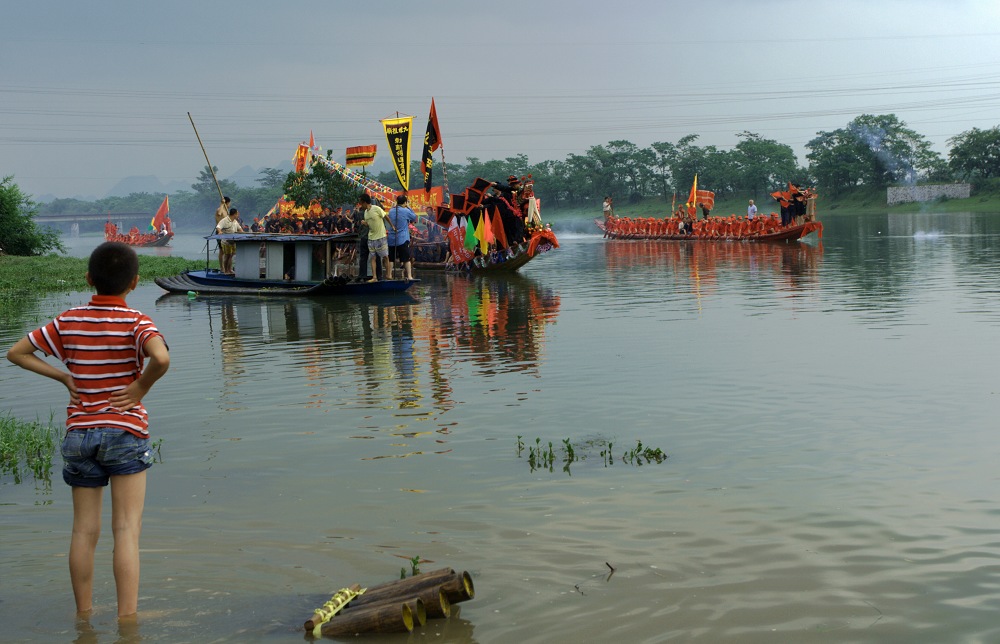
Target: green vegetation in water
(414,567)
(544,456)
(27,447)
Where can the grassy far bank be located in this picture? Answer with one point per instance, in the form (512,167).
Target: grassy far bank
(30,277)
(24,279)
(984,199)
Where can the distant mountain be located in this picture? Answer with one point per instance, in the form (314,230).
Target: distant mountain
(146,183)
(245,177)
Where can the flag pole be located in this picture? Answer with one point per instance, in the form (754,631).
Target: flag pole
(210,168)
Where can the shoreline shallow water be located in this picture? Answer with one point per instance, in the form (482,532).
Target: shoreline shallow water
(826,409)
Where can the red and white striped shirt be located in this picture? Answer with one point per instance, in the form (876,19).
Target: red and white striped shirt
(101,345)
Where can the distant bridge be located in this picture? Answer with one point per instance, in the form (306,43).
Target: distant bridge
(81,217)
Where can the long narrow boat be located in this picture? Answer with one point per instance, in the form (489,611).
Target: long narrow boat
(766,228)
(135,238)
(285,265)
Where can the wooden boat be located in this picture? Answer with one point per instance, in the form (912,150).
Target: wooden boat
(436,256)
(761,228)
(285,265)
(135,238)
(162,231)
(797,219)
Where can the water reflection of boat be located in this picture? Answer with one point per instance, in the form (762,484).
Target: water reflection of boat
(704,262)
(408,345)
(283,265)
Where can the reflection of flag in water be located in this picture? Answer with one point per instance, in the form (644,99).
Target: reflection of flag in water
(161,215)
(432,141)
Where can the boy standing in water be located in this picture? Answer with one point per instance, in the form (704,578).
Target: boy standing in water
(103,344)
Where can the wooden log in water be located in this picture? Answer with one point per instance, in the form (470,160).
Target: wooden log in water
(404,588)
(432,601)
(331,607)
(379,618)
(459,588)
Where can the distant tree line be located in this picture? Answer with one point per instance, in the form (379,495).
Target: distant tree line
(871,152)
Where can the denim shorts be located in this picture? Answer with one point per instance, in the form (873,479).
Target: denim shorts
(91,456)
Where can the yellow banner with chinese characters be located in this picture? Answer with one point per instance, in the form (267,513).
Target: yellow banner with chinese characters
(397,133)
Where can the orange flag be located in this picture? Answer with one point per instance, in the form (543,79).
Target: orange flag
(498,232)
(312,141)
(488,236)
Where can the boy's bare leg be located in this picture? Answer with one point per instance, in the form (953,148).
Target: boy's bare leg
(83,543)
(128,496)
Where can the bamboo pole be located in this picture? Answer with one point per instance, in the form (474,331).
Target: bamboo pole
(382,618)
(459,589)
(332,607)
(432,602)
(210,168)
(402,588)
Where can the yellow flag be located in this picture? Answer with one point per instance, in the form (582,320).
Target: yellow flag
(397,133)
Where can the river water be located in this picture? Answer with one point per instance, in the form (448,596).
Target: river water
(828,411)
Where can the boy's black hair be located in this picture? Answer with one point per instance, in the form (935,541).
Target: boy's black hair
(364,198)
(112,267)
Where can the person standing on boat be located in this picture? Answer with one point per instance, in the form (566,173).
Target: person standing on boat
(227,250)
(751,210)
(361,228)
(221,213)
(609,210)
(378,246)
(400,218)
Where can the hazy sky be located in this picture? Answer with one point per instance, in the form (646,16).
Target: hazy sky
(91,92)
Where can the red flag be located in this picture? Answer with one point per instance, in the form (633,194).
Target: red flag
(312,141)
(161,215)
(432,141)
(498,229)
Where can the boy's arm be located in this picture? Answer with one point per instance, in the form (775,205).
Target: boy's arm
(23,355)
(157,364)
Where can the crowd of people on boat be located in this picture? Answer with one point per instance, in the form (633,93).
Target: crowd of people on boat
(797,206)
(134,237)
(729,227)
(391,236)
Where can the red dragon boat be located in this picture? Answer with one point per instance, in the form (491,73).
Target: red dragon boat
(160,230)
(797,219)
(760,228)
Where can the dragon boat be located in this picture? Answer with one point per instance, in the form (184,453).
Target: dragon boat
(760,228)
(160,230)
(135,238)
(796,220)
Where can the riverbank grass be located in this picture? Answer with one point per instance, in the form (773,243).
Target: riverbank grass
(27,447)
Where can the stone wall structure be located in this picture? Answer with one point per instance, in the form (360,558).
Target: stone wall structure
(909,194)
